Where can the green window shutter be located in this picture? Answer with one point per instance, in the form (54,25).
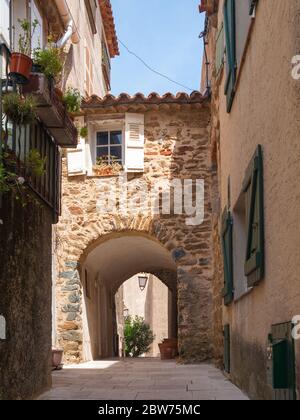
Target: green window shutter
(283,362)
(229,26)
(227,247)
(226,355)
(220,50)
(253,188)
(252,5)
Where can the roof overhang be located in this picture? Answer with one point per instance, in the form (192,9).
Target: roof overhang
(109,27)
(141,103)
(208,6)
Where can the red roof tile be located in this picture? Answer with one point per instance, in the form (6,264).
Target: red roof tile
(140,98)
(109,27)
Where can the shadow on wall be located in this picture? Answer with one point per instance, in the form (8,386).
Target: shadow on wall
(68,66)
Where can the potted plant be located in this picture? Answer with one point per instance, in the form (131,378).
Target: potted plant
(72,100)
(104,168)
(20,110)
(57,355)
(84,132)
(49,60)
(21,62)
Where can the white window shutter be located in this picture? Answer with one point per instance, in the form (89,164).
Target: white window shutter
(4,21)
(76,160)
(134,142)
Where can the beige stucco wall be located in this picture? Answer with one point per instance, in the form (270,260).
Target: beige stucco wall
(88,40)
(152,304)
(265,111)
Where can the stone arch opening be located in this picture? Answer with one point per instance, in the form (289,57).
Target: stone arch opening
(104,267)
(102,254)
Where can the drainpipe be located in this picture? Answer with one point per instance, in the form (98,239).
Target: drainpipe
(71,30)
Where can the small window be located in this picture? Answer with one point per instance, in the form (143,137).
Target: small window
(37,40)
(91,8)
(109,147)
(106,66)
(5,22)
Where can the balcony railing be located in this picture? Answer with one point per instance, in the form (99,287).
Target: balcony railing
(16,142)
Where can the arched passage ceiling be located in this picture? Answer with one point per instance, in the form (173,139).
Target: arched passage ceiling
(117,259)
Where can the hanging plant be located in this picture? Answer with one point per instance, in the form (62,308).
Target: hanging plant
(20,110)
(35,163)
(49,60)
(84,132)
(12,182)
(72,100)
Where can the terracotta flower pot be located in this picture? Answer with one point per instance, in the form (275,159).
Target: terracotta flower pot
(166,351)
(20,67)
(57,355)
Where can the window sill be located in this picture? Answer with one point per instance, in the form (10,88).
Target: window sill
(242,296)
(103,176)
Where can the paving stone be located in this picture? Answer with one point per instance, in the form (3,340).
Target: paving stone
(131,379)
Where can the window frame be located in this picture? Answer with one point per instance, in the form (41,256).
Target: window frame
(35,11)
(109,145)
(7,31)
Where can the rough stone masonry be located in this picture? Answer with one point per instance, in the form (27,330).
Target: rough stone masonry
(176,146)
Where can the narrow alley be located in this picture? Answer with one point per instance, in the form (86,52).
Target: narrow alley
(149,200)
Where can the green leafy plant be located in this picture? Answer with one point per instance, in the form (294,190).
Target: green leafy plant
(138,336)
(5,178)
(72,100)
(49,60)
(84,132)
(35,163)
(12,182)
(28,30)
(20,110)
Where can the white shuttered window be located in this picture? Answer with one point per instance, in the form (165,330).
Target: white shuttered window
(134,142)
(76,160)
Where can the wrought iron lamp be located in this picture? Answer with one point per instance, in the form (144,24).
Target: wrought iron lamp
(143,278)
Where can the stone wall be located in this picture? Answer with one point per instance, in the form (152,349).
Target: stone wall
(25,299)
(176,146)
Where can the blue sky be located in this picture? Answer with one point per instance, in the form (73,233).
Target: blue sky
(164,33)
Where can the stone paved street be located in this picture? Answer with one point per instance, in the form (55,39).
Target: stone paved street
(141,379)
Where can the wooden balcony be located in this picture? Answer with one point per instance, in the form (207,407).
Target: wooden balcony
(52,111)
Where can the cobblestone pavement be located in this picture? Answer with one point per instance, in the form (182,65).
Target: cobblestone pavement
(141,379)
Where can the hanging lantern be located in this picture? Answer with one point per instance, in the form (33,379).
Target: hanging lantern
(143,278)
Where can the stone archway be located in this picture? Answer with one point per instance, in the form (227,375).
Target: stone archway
(108,264)
(167,247)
